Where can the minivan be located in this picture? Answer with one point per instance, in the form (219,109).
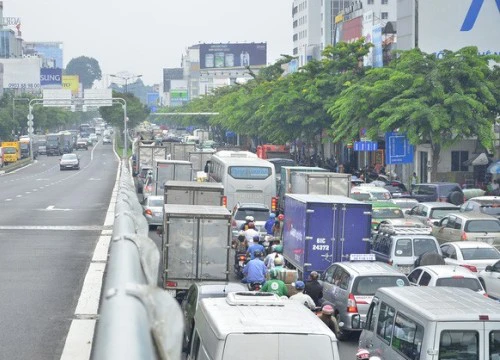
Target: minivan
(254,325)
(431,323)
(438,191)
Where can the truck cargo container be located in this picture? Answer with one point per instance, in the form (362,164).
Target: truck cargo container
(199,159)
(194,193)
(285,183)
(164,170)
(195,245)
(322,183)
(147,151)
(54,145)
(181,151)
(322,229)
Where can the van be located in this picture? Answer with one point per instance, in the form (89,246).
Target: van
(431,323)
(252,325)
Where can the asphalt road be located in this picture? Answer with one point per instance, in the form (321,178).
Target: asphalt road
(50,221)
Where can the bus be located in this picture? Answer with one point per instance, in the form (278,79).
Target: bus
(245,177)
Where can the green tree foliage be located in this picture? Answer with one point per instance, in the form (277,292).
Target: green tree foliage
(87,68)
(114,115)
(436,101)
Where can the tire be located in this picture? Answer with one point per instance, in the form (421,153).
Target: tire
(456,198)
(343,335)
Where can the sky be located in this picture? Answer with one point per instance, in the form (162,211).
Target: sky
(141,37)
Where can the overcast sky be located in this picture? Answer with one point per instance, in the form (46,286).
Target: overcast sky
(145,36)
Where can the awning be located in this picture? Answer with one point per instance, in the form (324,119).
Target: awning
(481,159)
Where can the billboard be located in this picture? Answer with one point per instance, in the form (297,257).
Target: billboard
(171,74)
(50,52)
(153,101)
(71,82)
(50,77)
(21,74)
(178,97)
(454,24)
(219,56)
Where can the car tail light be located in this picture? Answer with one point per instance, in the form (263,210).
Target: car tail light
(170,284)
(464,236)
(457,277)
(274,204)
(148,212)
(352,307)
(470,267)
(224,201)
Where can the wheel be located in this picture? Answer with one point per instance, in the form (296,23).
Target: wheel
(343,335)
(456,198)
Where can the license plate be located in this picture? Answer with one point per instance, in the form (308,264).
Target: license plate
(171,292)
(404,269)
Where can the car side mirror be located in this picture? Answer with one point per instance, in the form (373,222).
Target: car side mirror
(356,322)
(436,223)
(489,268)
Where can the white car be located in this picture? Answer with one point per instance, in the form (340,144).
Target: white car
(445,275)
(474,255)
(377,193)
(490,279)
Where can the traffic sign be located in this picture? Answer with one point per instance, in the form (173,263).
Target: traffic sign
(30,117)
(398,149)
(30,122)
(365,146)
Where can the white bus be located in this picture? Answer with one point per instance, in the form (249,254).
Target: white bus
(245,177)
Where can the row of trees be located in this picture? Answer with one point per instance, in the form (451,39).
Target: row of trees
(434,100)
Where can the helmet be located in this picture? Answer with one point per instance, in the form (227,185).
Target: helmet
(362,354)
(278,249)
(249,218)
(278,261)
(272,215)
(314,275)
(256,238)
(299,285)
(273,273)
(281,217)
(257,254)
(327,310)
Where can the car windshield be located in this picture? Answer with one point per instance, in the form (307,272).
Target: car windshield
(482,226)
(155,202)
(69,157)
(368,285)
(441,213)
(461,282)
(381,195)
(360,196)
(387,213)
(422,246)
(258,214)
(480,254)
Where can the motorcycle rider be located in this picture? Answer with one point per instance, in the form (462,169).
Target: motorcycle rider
(255,247)
(275,285)
(269,260)
(270,224)
(250,233)
(255,270)
(301,297)
(313,288)
(329,319)
(248,220)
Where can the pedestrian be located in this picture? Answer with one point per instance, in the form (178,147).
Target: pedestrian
(313,288)
(275,285)
(414,179)
(301,297)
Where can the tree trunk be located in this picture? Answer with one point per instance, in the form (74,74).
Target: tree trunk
(436,150)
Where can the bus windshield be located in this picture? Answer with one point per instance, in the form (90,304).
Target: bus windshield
(250,172)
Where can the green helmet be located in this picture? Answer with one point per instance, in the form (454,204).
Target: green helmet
(273,273)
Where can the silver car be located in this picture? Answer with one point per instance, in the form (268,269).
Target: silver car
(69,161)
(473,255)
(349,287)
(259,212)
(428,212)
(153,209)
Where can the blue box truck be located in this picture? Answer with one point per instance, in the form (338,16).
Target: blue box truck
(322,229)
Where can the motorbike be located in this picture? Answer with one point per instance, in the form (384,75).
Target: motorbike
(239,263)
(254,286)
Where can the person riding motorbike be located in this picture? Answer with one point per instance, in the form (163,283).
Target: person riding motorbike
(301,297)
(252,249)
(277,253)
(313,288)
(255,270)
(275,285)
(248,219)
(250,233)
(270,224)
(329,319)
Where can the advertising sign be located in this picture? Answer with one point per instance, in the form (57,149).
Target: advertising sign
(50,77)
(219,56)
(152,101)
(71,82)
(459,23)
(50,52)
(178,97)
(365,146)
(378,55)
(21,74)
(398,149)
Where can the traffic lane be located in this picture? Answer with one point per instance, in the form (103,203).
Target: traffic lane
(41,274)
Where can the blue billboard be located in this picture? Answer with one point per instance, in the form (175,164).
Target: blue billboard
(220,56)
(50,77)
(398,149)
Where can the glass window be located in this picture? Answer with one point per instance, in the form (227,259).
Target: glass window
(370,323)
(494,345)
(385,322)
(258,214)
(414,275)
(387,213)
(403,247)
(458,223)
(328,275)
(482,226)
(337,276)
(461,282)
(459,344)
(425,279)
(440,213)
(250,172)
(407,337)
(480,254)
(385,2)
(422,246)
(368,285)
(457,160)
(384,15)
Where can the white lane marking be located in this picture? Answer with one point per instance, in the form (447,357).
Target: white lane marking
(52,227)
(101,249)
(94,179)
(18,196)
(79,340)
(28,192)
(88,303)
(8,199)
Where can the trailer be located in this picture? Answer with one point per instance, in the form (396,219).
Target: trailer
(321,183)
(194,193)
(199,159)
(322,229)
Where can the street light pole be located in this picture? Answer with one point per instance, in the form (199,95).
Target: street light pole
(126,79)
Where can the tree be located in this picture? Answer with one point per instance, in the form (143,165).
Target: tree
(436,101)
(136,111)
(86,68)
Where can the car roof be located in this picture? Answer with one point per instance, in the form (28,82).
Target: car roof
(447,270)
(472,215)
(207,288)
(369,268)
(469,244)
(438,204)
(252,206)
(480,199)
(385,204)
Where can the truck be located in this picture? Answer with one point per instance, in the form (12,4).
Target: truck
(54,145)
(67,141)
(195,246)
(321,183)
(199,159)
(194,193)
(269,151)
(181,151)
(285,184)
(147,151)
(24,144)
(322,229)
(164,170)
(41,140)
(11,151)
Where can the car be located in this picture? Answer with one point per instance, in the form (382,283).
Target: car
(260,213)
(401,247)
(349,287)
(428,212)
(445,275)
(106,140)
(69,161)
(82,143)
(468,226)
(405,203)
(153,210)
(486,204)
(490,279)
(199,291)
(385,212)
(93,138)
(438,191)
(474,255)
(377,193)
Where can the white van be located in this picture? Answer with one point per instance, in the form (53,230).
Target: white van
(253,326)
(431,323)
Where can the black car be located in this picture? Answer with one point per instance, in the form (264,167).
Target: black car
(438,191)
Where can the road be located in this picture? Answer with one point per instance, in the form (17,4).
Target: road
(50,221)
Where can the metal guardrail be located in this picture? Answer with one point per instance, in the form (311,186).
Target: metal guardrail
(137,319)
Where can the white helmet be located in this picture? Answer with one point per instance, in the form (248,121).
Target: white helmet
(249,218)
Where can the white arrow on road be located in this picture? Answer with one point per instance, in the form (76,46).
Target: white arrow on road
(53,208)
(94,179)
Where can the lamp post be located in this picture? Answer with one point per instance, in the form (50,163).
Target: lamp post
(126,79)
